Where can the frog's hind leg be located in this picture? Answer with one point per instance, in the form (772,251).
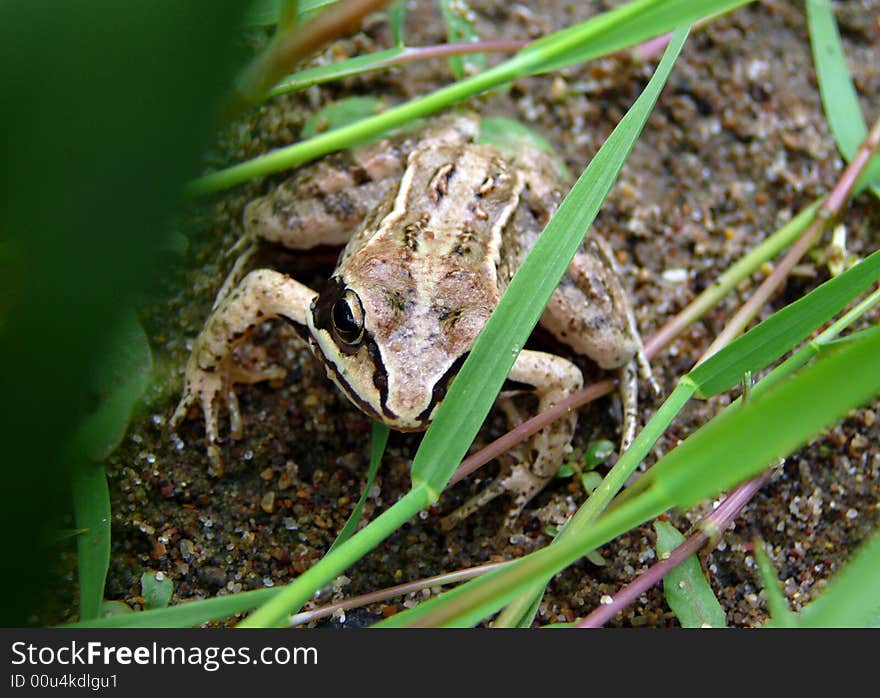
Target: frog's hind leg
(553,378)
(591,313)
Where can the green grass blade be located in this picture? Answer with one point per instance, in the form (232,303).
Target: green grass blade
(459,29)
(291,598)
(123,375)
(768,341)
(687,591)
(336,71)
(91,506)
(474,389)
(378,441)
(773,337)
(777,605)
(851,599)
(520,611)
(397,20)
(184,615)
(628,25)
(477,599)
(734,446)
(823,342)
(739,443)
(839,98)
(556,46)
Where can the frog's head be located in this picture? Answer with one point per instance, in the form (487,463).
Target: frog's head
(416,285)
(391,355)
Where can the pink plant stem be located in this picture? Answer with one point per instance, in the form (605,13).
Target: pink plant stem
(829,210)
(391,592)
(711,528)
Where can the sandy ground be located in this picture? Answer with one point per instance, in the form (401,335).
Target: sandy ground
(736,145)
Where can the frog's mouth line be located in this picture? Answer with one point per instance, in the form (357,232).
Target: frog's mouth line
(421,422)
(387,417)
(318,333)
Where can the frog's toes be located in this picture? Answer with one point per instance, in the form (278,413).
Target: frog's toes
(207,389)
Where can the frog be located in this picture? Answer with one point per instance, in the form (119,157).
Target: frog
(434,225)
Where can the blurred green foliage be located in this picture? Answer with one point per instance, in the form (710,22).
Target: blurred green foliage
(105,108)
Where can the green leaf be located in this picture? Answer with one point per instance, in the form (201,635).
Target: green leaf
(378,441)
(341,113)
(617,26)
(780,613)
(336,71)
(509,135)
(123,375)
(91,506)
(768,341)
(156,589)
(183,615)
(474,389)
(739,442)
(851,599)
(111,609)
(397,19)
(459,29)
(627,25)
(687,591)
(731,448)
(267,13)
(598,452)
(839,98)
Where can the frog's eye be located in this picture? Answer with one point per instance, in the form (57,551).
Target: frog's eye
(347,318)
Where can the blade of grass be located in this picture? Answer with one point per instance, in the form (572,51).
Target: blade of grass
(799,408)
(769,340)
(387,58)
(839,98)
(777,605)
(91,506)
(473,391)
(686,589)
(708,530)
(397,20)
(729,449)
(851,598)
(558,45)
(184,615)
(470,395)
(641,21)
(378,440)
(751,352)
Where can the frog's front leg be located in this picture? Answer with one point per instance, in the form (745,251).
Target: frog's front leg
(212,373)
(553,378)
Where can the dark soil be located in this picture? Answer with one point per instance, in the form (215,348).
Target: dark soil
(736,146)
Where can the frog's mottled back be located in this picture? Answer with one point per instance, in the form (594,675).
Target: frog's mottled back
(422,279)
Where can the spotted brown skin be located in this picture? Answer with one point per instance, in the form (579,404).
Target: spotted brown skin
(430,248)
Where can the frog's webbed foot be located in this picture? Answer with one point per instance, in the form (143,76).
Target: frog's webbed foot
(212,371)
(554,378)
